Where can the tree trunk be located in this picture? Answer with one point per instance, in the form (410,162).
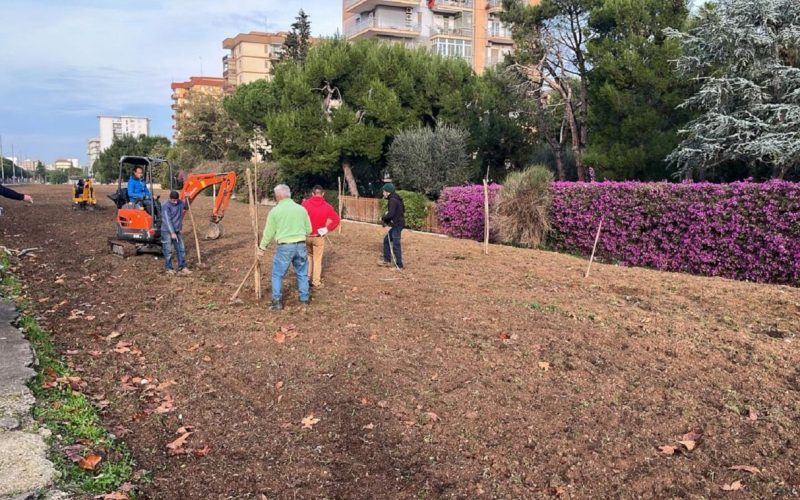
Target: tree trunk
(349,177)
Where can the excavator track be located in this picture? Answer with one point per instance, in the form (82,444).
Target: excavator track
(122,248)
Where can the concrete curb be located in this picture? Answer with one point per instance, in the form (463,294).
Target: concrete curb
(25,470)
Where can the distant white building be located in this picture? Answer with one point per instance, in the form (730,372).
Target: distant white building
(121,126)
(92,152)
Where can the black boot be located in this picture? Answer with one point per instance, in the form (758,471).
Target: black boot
(276,306)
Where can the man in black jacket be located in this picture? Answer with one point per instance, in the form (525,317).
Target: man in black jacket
(395,219)
(10,193)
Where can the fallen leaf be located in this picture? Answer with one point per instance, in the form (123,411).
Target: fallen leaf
(166,405)
(112,336)
(690,445)
(95,354)
(504,336)
(122,347)
(279,385)
(309,422)
(544,365)
(121,315)
(364,401)
(746,468)
(178,443)
(288,328)
(734,486)
(164,385)
(369,426)
(694,435)
(185,429)
(667,450)
(432,416)
(90,318)
(194,347)
(472,415)
(117,495)
(279,337)
(44,300)
(74,452)
(753,414)
(89,462)
(207,358)
(201,452)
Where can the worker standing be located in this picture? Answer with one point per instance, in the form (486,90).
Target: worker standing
(288,224)
(172,212)
(324,219)
(395,219)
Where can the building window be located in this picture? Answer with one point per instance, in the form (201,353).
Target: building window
(452,47)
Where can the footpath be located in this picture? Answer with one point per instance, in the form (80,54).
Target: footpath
(25,471)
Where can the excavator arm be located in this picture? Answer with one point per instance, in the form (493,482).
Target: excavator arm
(197,183)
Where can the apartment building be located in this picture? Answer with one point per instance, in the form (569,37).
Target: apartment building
(183,94)
(121,126)
(92,152)
(470,29)
(250,58)
(29,165)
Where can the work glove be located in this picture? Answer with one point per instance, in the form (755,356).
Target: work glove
(322,231)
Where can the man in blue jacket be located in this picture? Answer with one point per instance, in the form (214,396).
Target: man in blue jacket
(138,194)
(171,226)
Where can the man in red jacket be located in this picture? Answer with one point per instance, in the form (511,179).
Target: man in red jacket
(323,220)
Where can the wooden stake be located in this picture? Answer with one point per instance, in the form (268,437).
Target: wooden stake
(594,248)
(194,230)
(241,285)
(254,224)
(340,204)
(486,216)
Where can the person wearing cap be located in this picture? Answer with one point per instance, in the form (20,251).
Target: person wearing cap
(324,219)
(395,219)
(288,224)
(172,212)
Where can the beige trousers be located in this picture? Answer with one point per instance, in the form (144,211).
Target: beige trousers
(316,247)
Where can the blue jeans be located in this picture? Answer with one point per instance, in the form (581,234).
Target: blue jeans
(393,238)
(166,246)
(296,255)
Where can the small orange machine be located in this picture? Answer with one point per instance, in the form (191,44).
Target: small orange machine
(139,225)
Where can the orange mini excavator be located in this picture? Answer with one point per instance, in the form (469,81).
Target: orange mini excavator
(139,222)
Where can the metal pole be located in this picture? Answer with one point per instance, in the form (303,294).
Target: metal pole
(2,159)
(13,161)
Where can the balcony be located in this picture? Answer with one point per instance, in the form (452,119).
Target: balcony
(452,6)
(438,31)
(371,27)
(494,5)
(365,5)
(501,35)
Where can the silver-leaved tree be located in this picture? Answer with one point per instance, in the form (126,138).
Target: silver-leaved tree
(745,55)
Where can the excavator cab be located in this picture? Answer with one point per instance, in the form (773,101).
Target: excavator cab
(139,224)
(138,221)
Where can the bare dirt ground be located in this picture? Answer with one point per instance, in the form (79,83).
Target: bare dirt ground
(500,376)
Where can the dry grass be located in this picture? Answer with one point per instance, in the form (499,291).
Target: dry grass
(523,205)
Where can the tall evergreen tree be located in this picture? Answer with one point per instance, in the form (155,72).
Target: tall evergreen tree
(298,40)
(744,53)
(632,89)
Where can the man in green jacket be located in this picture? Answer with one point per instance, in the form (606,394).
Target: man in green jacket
(288,224)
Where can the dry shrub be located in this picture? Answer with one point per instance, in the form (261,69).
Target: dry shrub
(522,207)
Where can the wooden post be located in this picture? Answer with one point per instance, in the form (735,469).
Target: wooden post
(486,216)
(340,204)
(194,230)
(594,248)
(254,223)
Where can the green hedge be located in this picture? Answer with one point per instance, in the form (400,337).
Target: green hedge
(416,208)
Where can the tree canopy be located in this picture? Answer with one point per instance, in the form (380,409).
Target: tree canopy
(341,107)
(745,55)
(106,167)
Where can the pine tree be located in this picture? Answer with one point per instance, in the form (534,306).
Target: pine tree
(744,54)
(298,40)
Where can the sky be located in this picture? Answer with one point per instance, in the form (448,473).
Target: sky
(64,62)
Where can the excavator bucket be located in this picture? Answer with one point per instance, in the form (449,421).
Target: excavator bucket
(214,231)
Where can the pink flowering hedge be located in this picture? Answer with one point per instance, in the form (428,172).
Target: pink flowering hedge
(460,210)
(741,230)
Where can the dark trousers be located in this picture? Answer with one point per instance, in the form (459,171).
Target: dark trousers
(393,238)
